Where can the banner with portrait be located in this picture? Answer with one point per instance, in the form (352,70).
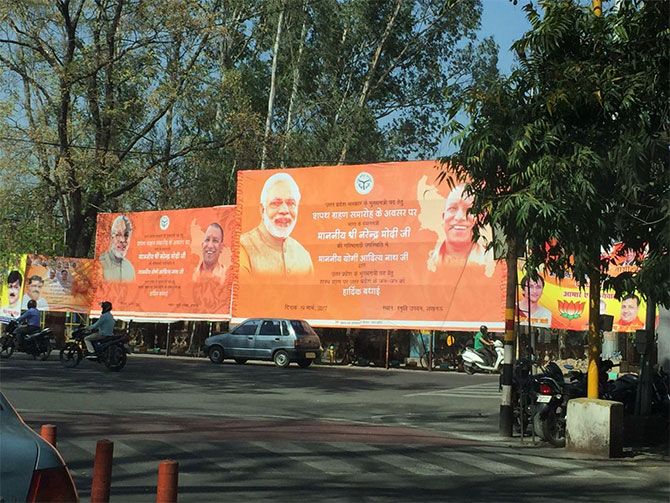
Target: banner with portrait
(60,283)
(374,245)
(561,304)
(166,264)
(13,276)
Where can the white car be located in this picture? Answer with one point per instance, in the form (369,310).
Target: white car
(31,469)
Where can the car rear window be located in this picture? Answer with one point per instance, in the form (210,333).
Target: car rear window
(301,327)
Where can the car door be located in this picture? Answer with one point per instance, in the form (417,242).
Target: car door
(268,339)
(240,343)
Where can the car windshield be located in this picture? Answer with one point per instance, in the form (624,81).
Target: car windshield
(301,327)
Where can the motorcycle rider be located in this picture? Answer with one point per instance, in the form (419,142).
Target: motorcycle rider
(104,326)
(485,346)
(32,326)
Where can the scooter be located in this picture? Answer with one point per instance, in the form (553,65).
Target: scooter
(474,361)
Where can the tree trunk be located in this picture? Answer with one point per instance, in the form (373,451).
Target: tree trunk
(273,78)
(294,86)
(594,328)
(374,62)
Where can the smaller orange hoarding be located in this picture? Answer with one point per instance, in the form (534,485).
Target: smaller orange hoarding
(60,283)
(562,304)
(166,264)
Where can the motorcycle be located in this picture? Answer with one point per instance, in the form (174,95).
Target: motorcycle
(526,390)
(39,345)
(110,351)
(554,392)
(473,361)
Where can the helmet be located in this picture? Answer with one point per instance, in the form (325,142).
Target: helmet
(106,306)
(483,328)
(31,304)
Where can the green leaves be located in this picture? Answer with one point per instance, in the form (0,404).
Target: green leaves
(578,138)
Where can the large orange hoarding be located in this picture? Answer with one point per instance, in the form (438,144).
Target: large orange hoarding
(375,245)
(166,264)
(60,283)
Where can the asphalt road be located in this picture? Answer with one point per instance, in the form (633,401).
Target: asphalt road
(259,433)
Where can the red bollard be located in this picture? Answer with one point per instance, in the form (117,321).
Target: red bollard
(48,433)
(168,476)
(102,472)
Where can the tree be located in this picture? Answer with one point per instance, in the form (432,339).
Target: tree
(583,155)
(96,82)
(117,105)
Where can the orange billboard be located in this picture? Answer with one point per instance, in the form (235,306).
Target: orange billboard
(561,304)
(166,264)
(374,245)
(60,283)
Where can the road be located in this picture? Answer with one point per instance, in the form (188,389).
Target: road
(259,433)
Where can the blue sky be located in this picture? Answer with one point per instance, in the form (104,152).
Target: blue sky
(506,23)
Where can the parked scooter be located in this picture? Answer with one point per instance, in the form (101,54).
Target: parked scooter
(110,351)
(38,345)
(474,361)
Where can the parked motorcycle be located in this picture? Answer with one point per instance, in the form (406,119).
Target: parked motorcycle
(110,351)
(39,345)
(555,390)
(474,361)
(526,390)
(551,406)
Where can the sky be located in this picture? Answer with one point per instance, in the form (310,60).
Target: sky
(506,23)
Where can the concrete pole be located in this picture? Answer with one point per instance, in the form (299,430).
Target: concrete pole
(506,406)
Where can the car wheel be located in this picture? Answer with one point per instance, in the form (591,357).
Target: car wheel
(216,354)
(281,359)
(305,363)
(241,361)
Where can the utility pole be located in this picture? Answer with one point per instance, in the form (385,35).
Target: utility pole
(506,406)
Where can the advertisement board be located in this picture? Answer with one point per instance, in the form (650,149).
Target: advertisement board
(11,287)
(172,264)
(60,283)
(374,245)
(562,304)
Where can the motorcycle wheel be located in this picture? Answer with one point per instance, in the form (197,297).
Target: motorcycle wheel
(115,358)
(46,351)
(469,368)
(70,355)
(6,347)
(553,430)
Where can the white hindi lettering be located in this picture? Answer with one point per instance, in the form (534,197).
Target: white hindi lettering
(390,233)
(351,290)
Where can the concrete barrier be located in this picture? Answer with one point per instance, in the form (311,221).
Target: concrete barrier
(595,427)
